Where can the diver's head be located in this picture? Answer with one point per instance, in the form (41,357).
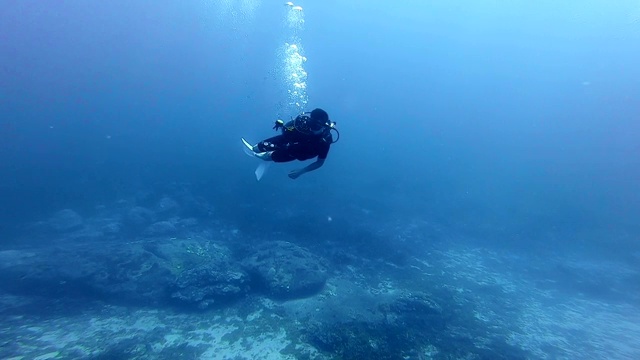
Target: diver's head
(320,116)
(315,122)
(319,121)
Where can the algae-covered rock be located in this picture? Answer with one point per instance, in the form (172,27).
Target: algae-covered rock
(140,273)
(286,271)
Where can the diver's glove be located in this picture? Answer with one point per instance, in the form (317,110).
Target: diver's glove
(279,124)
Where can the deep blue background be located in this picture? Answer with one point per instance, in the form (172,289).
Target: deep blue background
(513,122)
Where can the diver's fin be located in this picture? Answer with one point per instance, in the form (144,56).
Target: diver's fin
(261,170)
(247,145)
(248,149)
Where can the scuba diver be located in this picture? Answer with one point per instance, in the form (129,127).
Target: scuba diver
(305,137)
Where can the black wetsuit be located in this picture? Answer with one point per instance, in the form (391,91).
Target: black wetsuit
(294,145)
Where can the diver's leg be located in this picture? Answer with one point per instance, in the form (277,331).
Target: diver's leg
(280,156)
(276,156)
(272,149)
(270,144)
(265,155)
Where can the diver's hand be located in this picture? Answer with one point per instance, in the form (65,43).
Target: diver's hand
(295,174)
(279,124)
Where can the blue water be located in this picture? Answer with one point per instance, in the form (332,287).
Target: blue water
(510,126)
